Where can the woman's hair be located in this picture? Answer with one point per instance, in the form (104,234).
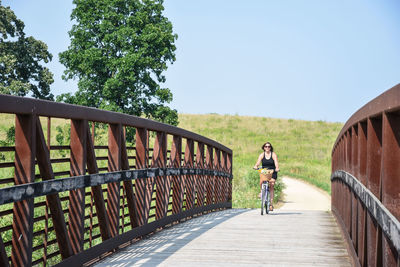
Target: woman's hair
(272,148)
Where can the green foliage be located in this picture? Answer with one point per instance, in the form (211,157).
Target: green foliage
(10,137)
(21,71)
(63,137)
(119,50)
(9,141)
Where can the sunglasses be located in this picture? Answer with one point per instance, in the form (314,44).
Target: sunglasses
(267,146)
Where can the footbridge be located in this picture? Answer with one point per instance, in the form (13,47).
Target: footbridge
(109,184)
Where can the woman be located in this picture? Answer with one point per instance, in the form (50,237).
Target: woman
(269,160)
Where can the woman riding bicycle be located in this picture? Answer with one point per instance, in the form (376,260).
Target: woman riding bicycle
(269,160)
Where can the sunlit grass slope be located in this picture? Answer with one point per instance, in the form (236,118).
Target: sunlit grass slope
(303,148)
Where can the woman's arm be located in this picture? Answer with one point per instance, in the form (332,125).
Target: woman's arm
(275,158)
(258,161)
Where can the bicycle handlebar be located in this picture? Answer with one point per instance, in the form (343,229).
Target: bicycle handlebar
(259,168)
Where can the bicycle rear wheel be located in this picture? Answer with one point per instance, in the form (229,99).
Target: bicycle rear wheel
(266,201)
(262,199)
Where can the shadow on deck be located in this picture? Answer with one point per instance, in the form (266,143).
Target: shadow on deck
(156,248)
(240,237)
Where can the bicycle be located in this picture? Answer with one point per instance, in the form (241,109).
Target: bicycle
(265,193)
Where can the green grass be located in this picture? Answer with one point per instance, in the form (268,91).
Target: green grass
(303,148)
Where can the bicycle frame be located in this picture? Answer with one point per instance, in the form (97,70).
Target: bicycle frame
(265,197)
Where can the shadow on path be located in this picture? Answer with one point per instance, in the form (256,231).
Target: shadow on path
(156,248)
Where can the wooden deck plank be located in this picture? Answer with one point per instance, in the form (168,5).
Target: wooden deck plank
(242,237)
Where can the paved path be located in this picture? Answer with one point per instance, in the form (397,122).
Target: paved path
(242,237)
(303,196)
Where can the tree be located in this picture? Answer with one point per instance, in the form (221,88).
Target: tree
(119,50)
(21,71)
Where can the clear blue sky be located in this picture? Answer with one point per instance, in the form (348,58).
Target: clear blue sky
(300,59)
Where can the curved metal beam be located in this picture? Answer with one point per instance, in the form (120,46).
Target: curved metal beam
(386,102)
(24,105)
(38,189)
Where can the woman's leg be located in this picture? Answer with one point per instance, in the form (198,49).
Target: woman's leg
(271,189)
(262,178)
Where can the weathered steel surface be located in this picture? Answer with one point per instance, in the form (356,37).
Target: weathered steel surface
(57,214)
(373,136)
(3,255)
(37,189)
(163,183)
(284,238)
(189,179)
(128,185)
(114,164)
(25,151)
(23,105)
(97,193)
(100,211)
(201,180)
(141,186)
(177,180)
(76,212)
(209,182)
(217,182)
(388,101)
(390,183)
(387,221)
(362,176)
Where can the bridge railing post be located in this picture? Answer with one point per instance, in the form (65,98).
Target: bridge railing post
(374,157)
(217,180)
(189,179)
(76,212)
(362,176)
(210,179)
(390,187)
(229,169)
(178,186)
(143,195)
(200,179)
(25,150)
(163,183)
(97,191)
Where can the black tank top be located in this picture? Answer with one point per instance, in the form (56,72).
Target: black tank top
(268,163)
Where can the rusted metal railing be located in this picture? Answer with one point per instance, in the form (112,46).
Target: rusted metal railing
(69,203)
(366,181)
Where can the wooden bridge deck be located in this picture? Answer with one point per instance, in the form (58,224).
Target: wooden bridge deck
(240,237)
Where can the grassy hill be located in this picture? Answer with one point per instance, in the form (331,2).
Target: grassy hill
(303,148)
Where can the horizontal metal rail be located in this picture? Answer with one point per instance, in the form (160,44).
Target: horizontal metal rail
(38,189)
(365,181)
(388,223)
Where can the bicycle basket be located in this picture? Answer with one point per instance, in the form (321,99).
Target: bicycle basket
(266,174)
